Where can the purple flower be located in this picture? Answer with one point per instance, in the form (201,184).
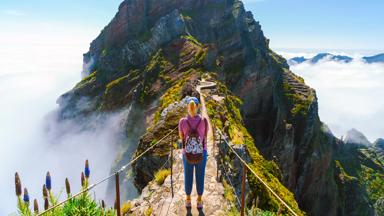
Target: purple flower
(67,186)
(48,181)
(45,191)
(87,171)
(17,184)
(26,196)
(35,206)
(82,179)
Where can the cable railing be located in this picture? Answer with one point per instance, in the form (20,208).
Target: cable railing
(116,174)
(245,168)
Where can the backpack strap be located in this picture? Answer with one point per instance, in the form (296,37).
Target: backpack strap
(197,125)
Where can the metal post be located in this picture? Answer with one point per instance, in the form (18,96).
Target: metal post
(243,190)
(172,170)
(118,194)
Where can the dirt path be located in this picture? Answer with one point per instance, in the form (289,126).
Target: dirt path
(160,198)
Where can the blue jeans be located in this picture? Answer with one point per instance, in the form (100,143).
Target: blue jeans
(199,172)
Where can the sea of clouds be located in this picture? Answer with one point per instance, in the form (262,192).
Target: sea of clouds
(38,63)
(350,95)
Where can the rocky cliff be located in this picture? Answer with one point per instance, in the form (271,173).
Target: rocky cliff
(152,54)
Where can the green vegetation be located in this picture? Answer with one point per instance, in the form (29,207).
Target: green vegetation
(115,82)
(161,175)
(374,182)
(148,211)
(127,206)
(300,103)
(82,204)
(191,38)
(226,116)
(228,192)
(104,52)
(186,17)
(345,175)
(86,80)
(172,95)
(258,212)
(361,163)
(233,211)
(200,56)
(144,36)
(154,69)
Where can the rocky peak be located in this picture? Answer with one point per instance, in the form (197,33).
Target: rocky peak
(356,137)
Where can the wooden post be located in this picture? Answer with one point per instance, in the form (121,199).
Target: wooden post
(257,201)
(243,190)
(118,194)
(218,158)
(172,170)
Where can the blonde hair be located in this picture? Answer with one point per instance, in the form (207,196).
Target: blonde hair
(192,108)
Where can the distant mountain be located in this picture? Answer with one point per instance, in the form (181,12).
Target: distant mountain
(330,57)
(379,58)
(379,143)
(374,59)
(356,137)
(296,60)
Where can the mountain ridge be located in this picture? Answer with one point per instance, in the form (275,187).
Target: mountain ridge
(153,54)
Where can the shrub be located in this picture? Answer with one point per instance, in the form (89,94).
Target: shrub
(161,175)
(126,208)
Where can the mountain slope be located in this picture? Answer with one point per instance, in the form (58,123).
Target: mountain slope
(152,54)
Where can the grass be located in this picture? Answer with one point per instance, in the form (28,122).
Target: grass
(148,211)
(192,39)
(228,192)
(172,95)
(88,79)
(127,206)
(115,82)
(161,175)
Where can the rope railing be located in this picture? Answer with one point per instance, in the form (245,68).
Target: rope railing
(256,175)
(108,177)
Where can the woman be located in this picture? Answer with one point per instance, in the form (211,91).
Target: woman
(193,133)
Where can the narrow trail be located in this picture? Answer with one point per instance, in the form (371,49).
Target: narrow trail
(160,197)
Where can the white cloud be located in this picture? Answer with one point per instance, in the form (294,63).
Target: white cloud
(40,61)
(11,12)
(350,95)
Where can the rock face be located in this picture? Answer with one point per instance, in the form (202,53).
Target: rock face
(152,54)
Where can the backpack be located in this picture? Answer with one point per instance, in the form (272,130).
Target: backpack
(194,146)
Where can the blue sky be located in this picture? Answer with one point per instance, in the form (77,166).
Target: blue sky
(305,24)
